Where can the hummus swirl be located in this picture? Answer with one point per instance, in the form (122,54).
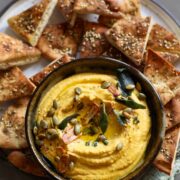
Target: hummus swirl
(101,160)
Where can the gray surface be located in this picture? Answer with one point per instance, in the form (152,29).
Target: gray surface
(7,172)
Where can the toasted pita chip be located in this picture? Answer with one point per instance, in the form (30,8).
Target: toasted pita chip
(170,57)
(130,37)
(30,23)
(161,39)
(66,7)
(14,84)
(58,40)
(167,155)
(101,7)
(12,130)
(26,163)
(37,78)
(14,52)
(94,42)
(129,8)
(172,110)
(113,53)
(165,78)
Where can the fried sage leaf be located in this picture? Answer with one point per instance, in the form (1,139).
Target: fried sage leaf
(130,103)
(103,119)
(125,80)
(65,121)
(121,119)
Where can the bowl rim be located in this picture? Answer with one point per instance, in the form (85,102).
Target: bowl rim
(76,61)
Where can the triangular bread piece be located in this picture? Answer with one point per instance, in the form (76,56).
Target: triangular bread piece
(94,42)
(60,39)
(130,37)
(161,39)
(26,163)
(101,7)
(129,8)
(38,78)
(14,52)
(14,84)
(167,155)
(66,7)
(30,23)
(164,76)
(12,128)
(172,111)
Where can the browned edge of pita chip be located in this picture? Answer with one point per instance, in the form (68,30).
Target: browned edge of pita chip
(38,78)
(166,157)
(26,163)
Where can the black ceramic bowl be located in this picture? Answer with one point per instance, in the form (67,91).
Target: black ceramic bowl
(88,65)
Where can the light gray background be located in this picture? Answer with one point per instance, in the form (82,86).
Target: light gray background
(7,172)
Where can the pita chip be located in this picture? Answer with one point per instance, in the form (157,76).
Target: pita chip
(14,52)
(170,57)
(31,23)
(172,111)
(164,76)
(101,7)
(14,84)
(130,8)
(39,77)
(167,155)
(66,7)
(161,39)
(59,40)
(12,128)
(26,163)
(130,37)
(94,42)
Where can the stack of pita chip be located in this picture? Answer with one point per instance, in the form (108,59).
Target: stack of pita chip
(166,80)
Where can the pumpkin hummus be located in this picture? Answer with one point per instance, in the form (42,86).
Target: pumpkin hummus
(88,128)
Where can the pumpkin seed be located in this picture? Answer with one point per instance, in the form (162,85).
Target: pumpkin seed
(141,96)
(106,142)
(87,143)
(73,121)
(56,104)
(76,98)
(50,113)
(78,90)
(71,165)
(101,138)
(105,85)
(95,143)
(128,110)
(35,130)
(130,86)
(44,124)
(77,129)
(57,158)
(55,120)
(52,134)
(41,136)
(119,146)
